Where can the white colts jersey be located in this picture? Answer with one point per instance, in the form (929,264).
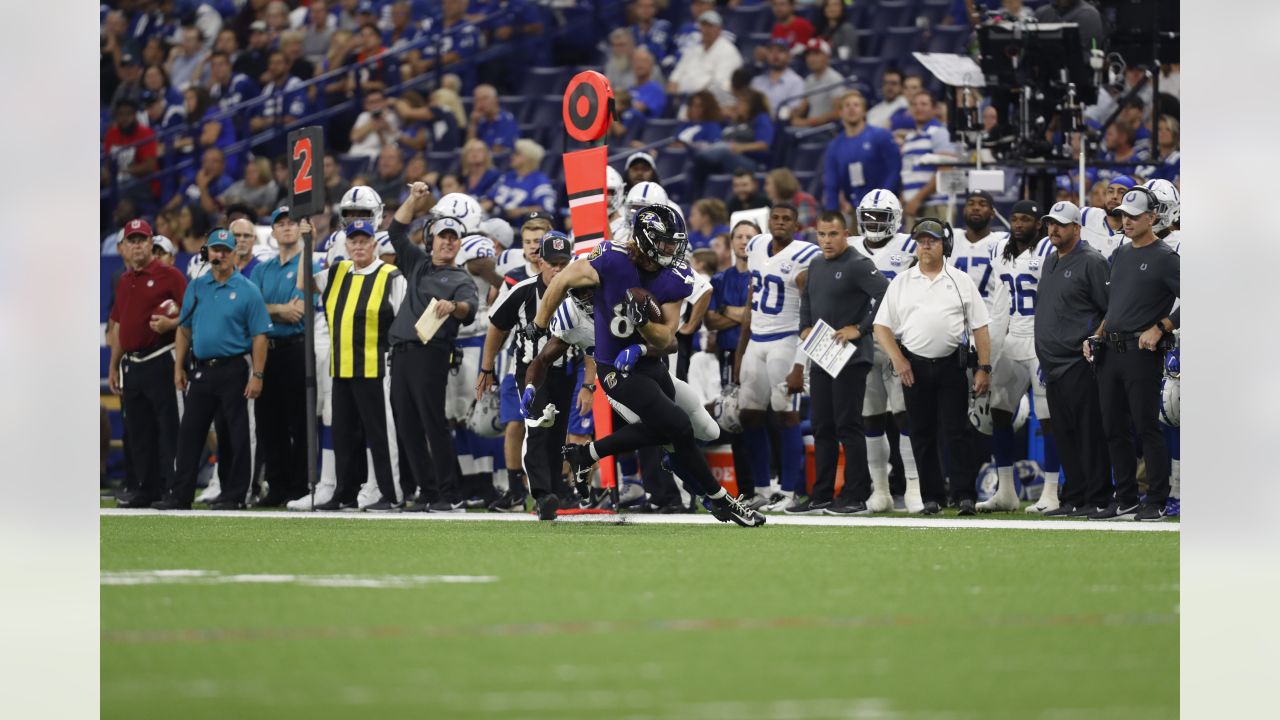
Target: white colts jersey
(892,258)
(509,260)
(975,258)
(1021,279)
(775,297)
(475,248)
(572,325)
(1095,231)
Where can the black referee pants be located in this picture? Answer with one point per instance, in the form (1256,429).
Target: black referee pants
(214,392)
(1082,444)
(360,421)
(648,391)
(835,411)
(281,413)
(419,376)
(1129,390)
(150,406)
(938,403)
(540,451)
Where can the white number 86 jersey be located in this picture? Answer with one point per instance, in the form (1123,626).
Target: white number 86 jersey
(775,297)
(1021,279)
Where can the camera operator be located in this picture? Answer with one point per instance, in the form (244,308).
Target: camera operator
(1134,335)
(924,324)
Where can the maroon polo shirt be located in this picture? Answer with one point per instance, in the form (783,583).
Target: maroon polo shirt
(138,295)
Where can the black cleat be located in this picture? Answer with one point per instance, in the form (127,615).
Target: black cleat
(547,506)
(967,508)
(384,505)
(509,502)
(227,505)
(728,508)
(580,463)
(847,508)
(1063,510)
(170,505)
(931,508)
(137,502)
(447,506)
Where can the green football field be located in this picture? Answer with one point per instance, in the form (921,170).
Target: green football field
(237,617)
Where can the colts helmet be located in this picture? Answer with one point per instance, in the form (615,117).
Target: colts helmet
(644,193)
(460,206)
(1168,203)
(498,230)
(724,410)
(582,297)
(879,215)
(659,232)
(1170,400)
(980,413)
(616,189)
(484,417)
(359,202)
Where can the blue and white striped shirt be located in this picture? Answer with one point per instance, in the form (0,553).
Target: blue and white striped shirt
(932,138)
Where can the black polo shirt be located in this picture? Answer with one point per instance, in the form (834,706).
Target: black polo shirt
(427,281)
(844,291)
(1072,299)
(1144,286)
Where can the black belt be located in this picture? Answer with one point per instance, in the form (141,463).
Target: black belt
(148,354)
(282,342)
(219,361)
(912,357)
(1122,342)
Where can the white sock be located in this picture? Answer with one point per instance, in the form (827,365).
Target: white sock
(1050,492)
(1175,479)
(1004,490)
(501,480)
(718,494)
(878,462)
(328,468)
(908,459)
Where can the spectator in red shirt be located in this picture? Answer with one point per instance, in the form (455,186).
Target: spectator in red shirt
(148,299)
(788,26)
(133,148)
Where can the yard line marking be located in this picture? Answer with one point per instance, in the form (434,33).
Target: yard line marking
(213,577)
(609,627)
(695,519)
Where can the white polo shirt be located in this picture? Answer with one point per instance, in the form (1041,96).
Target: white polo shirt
(928,316)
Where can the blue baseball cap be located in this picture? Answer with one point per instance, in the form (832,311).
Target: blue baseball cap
(221,237)
(1124,181)
(283,210)
(361,226)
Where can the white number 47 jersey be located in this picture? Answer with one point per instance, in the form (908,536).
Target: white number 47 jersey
(775,297)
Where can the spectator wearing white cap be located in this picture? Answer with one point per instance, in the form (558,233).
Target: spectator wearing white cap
(1072,298)
(822,87)
(640,167)
(162,249)
(707,65)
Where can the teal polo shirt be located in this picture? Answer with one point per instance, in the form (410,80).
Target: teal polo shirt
(223,317)
(278,283)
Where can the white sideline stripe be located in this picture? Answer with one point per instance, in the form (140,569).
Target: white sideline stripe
(213,577)
(698,519)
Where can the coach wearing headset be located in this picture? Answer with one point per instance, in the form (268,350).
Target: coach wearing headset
(923,324)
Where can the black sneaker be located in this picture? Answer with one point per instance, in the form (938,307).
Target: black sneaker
(336,505)
(419,505)
(1115,511)
(170,505)
(547,506)
(384,505)
(509,502)
(580,463)
(847,508)
(931,508)
(1064,510)
(728,508)
(967,508)
(271,501)
(1149,512)
(227,505)
(807,506)
(1084,511)
(445,506)
(137,502)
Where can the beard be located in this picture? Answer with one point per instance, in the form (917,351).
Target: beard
(975,223)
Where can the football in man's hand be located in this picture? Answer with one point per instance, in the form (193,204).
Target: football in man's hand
(644,300)
(168,308)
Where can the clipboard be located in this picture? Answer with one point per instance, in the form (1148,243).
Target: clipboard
(428,323)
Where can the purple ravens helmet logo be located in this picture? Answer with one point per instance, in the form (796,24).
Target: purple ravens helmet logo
(653,222)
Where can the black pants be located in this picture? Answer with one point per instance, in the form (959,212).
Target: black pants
(214,391)
(1082,444)
(281,414)
(360,420)
(541,455)
(1129,390)
(419,376)
(647,391)
(938,402)
(835,410)
(150,406)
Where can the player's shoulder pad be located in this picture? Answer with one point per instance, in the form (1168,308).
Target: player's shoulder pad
(754,242)
(904,242)
(1044,247)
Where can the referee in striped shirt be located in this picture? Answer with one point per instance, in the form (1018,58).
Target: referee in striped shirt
(361,297)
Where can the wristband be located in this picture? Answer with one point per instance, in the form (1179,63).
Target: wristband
(486,372)
(589,386)
(257,375)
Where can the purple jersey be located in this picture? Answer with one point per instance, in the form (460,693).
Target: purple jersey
(612,262)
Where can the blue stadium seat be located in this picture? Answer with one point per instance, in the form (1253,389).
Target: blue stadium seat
(934,12)
(353,165)
(718,186)
(543,81)
(443,162)
(671,162)
(898,43)
(868,69)
(746,19)
(748,43)
(890,13)
(517,105)
(807,157)
(658,129)
(546,112)
(949,39)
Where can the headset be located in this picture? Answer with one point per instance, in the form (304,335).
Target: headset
(1153,202)
(948,235)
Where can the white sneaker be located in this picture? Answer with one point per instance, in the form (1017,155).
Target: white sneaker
(880,501)
(211,491)
(369,494)
(1048,499)
(324,493)
(631,492)
(911,498)
(1000,502)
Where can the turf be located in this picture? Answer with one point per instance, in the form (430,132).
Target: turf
(606,621)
